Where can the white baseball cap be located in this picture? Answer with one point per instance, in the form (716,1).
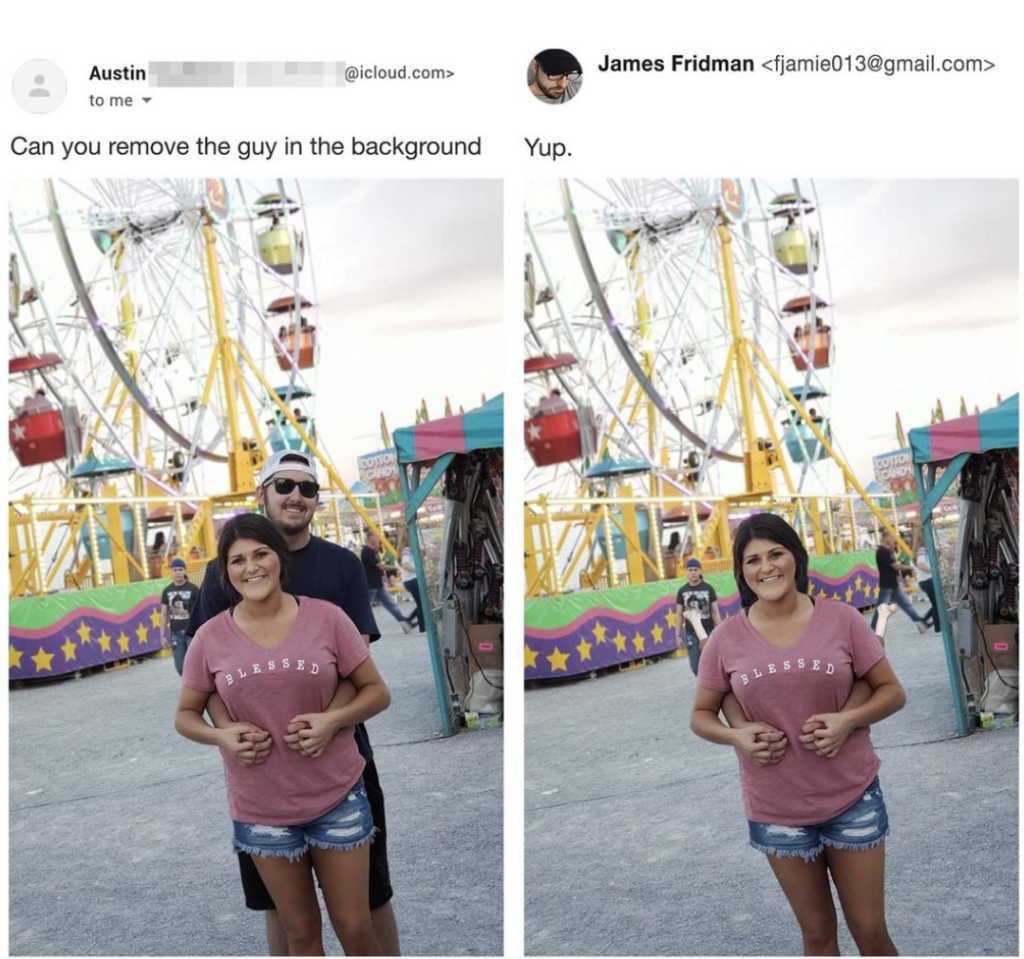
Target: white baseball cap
(285,461)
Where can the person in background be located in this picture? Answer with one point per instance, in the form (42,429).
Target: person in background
(177,601)
(375,571)
(923,571)
(889,588)
(411,583)
(695,594)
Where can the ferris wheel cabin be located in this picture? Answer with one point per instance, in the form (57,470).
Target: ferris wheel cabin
(555,432)
(280,248)
(801,443)
(795,248)
(814,340)
(40,432)
(281,434)
(284,308)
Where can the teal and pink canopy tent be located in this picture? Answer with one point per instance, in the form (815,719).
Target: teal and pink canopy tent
(948,446)
(995,429)
(442,440)
(424,452)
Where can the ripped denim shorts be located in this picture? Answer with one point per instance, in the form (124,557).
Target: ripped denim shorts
(346,826)
(863,825)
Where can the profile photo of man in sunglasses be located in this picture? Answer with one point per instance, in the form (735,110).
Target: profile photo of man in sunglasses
(554,76)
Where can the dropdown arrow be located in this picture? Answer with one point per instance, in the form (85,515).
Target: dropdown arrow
(146,99)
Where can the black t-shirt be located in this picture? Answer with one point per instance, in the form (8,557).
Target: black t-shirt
(702,596)
(888,577)
(374,575)
(321,570)
(179,601)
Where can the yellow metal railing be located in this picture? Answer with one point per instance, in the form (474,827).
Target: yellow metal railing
(570,542)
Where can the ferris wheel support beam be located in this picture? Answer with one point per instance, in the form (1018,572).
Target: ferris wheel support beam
(616,333)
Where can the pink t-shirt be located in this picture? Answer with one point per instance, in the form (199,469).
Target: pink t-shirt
(786,686)
(269,687)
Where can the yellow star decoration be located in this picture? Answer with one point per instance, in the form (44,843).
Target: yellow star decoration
(670,618)
(531,658)
(140,634)
(104,642)
(42,660)
(584,649)
(155,617)
(638,642)
(13,658)
(68,649)
(858,583)
(835,595)
(656,632)
(123,641)
(849,593)
(878,589)
(599,632)
(558,660)
(83,633)
(620,642)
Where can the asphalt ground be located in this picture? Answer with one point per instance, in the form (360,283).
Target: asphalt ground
(636,842)
(120,835)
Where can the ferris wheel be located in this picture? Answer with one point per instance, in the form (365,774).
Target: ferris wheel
(158,327)
(678,331)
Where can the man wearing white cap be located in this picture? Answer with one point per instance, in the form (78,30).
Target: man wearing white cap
(288,494)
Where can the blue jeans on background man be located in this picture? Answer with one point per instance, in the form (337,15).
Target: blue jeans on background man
(693,649)
(902,600)
(179,646)
(383,594)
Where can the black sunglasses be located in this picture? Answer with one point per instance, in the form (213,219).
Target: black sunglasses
(308,488)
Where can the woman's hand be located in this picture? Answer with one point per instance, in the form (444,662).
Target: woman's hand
(827,732)
(310,733)
(761,743)
(246,744)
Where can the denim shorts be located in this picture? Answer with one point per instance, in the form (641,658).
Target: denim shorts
(346,826)
(863,825)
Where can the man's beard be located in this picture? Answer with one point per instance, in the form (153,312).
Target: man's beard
(287,523)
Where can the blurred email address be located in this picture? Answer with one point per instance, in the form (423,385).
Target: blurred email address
(283,73)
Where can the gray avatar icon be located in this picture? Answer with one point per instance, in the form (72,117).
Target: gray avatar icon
(39,86)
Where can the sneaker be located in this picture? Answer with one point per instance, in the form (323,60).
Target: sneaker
(922,628)
(406,626)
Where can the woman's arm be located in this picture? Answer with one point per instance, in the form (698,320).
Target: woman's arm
(315,730)
(189,722)
(750,740)
(887,697)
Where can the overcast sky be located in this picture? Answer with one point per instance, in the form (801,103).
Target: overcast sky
(409,275)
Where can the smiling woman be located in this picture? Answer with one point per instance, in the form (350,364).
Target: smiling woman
(276,661)
(792,670)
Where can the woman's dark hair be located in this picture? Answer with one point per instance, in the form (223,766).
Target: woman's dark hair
(775,530)
(673,540)
(255,527)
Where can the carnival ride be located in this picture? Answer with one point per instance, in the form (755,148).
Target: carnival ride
(164,335)
(679,345)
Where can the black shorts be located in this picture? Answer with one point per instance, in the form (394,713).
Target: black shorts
(256,895)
